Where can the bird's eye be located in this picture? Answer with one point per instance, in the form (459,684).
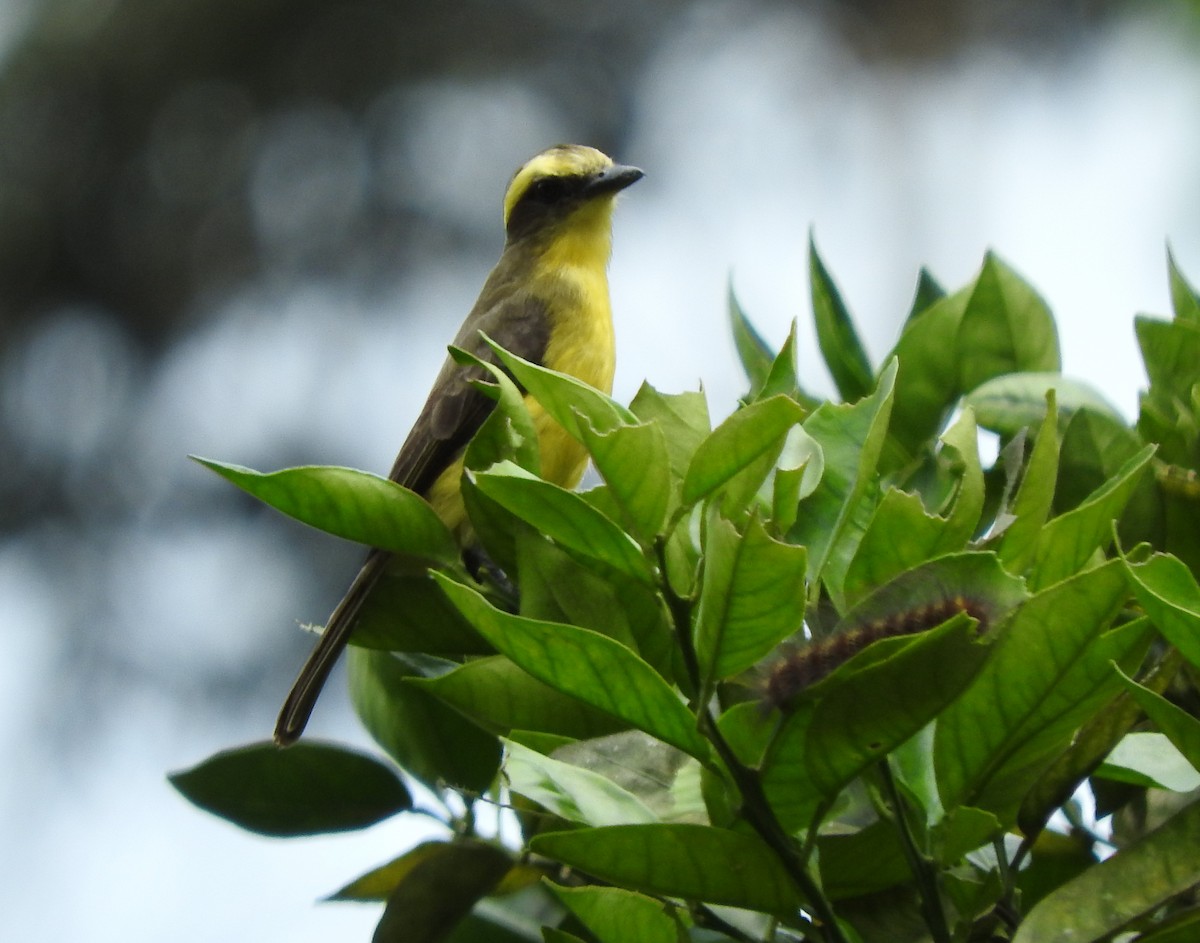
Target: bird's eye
(548,189)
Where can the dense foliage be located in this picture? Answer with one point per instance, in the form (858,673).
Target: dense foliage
(816,673)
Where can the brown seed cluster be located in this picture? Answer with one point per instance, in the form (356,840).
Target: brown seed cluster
(800,667)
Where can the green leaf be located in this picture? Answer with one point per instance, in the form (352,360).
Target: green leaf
(572,793)
(1047,674)
(902,534)
(379,883)
(556,587)
(784,378)
(786,778)
(694,862)
(633,462)
(584,664)
(752,596)
(864,714)
(927,385)
(307,789)
(1006,328)
(961,452)
(750,434)
(565,398)
(508,433)
(862,862)
(974,577)
(1171,353)
(352,504)
(1150,759)
(1184,299)
(1167,591)
(1134,881)
(1069,540)
(927,293)
(499,696)
(754,353)
(440,890)
(838,340)
(430,739)
(1094,447)
(683,418)
(408,612)
(833,518)
(1178,725)
(564,516)
(1035,495)
(615,915)
(1010,402)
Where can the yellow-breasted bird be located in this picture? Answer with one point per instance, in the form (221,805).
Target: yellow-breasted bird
(546,301)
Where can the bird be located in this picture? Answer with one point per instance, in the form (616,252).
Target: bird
(547,301)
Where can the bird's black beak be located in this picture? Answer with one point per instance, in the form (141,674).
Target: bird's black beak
(615,178)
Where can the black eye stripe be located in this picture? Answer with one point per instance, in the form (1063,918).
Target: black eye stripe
(549,190)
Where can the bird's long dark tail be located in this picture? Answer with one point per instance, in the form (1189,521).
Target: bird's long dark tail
(293,716)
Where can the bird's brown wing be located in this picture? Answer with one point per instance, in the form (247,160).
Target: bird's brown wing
(455,410)
(452,414)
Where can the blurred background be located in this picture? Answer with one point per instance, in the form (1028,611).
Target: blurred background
(247,228)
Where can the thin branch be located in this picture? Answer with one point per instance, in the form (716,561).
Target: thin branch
(921,866)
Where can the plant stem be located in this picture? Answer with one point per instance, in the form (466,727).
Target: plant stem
(921,867)
(758,813)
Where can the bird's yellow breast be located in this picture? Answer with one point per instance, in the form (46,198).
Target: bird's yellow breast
(572,279)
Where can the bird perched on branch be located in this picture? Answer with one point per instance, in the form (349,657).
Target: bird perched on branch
(547,301)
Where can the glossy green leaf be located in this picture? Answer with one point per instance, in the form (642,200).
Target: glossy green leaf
(564,397)
(683,418)
(1094,447)
(1168,592)
(839,342)
(1178,725)
(1132,882)
(633,462)
(752,596)
(557,587)
(960,451)
(572,793)
(615,915)
(745,437)
(754,353)
(901,535)
(694,862)
(784,376)
(786,778)
(1069,540)
(1184,300)
(499,696)
(974,577)
(431,740)
(1171,354)
(440,890)
(508,432)
(308,789)
(832,519)
(1011,402)
(584,664)
(1005,328)
(864,714)
(1035,495)
(1048,672)
(927,384)
(564,516)
(352,504)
